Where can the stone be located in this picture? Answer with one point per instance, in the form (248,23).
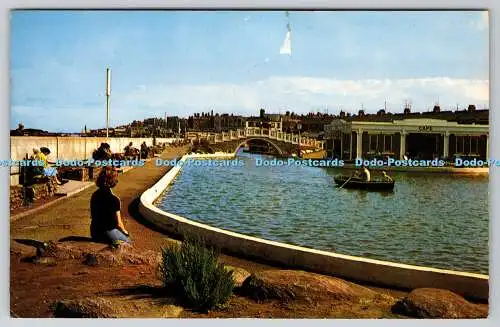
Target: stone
(239,275)
(172,311)
(94,254)
(438,303)
(36,191)
(40,260)
(286,285)
(90,260)
(45,261)
(85,308)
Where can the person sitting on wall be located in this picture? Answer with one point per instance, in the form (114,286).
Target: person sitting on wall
(107,225)
(44,152)
(103,152)
(144,150)
(130,151)
(36,173)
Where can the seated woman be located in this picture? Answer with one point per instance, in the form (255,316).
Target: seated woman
(36,173)
(44,153)
(107,225)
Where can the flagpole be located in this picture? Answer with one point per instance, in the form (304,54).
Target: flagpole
(108,93)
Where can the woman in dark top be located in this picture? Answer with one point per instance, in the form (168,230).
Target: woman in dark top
(107,225)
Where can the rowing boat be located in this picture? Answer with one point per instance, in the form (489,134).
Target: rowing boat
(361,184)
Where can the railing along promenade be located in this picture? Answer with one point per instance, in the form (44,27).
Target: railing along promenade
(256,132)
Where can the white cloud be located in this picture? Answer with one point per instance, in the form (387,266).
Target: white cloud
(300,94)
(303,94)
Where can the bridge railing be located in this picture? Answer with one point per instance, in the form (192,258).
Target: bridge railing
(256,131)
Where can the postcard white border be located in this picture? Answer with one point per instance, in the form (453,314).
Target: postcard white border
(6,5)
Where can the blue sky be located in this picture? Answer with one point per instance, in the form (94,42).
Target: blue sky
(229,61)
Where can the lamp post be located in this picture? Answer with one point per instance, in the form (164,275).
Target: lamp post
(108,93)
(299,127)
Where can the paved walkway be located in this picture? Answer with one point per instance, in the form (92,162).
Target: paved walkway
(71,217)
(73,187)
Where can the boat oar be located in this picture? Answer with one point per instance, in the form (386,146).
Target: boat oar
(346,182)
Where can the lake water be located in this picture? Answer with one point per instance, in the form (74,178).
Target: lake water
(437,220)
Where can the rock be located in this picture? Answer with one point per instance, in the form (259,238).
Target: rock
(40,260)
(239,275)
(94,254)
(288,285)
(438,303)
(90,260)
(172,311)
(45,261)
(90,253)
(84,308)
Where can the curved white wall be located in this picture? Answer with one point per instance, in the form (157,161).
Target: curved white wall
(354,268)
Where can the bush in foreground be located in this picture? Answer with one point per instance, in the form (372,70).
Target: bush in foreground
(192,272)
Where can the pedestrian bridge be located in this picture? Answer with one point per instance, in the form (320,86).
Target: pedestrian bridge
(284,143)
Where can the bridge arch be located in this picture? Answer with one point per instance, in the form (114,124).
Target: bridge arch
(275,146)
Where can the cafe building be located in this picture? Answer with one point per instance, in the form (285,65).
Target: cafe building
(414,138)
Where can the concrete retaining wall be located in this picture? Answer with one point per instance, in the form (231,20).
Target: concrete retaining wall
(70,148)
(379,272)
(73,148)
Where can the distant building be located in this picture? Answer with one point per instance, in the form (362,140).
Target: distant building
(427,135)
(215,123)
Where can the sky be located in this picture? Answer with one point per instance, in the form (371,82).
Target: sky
(181,62)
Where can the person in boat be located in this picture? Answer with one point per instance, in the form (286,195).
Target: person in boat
(357,174)
(366,174)
(107,225)
(387,177)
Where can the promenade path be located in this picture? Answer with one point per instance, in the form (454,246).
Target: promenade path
(71,217)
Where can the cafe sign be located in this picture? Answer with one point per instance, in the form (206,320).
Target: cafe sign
(425,128)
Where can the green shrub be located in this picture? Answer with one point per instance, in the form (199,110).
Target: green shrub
(192,272)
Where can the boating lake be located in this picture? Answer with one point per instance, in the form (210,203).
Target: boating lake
(436,220)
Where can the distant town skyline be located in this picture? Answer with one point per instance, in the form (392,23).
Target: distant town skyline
(181,63)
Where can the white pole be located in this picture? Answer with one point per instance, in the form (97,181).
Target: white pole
(108,93)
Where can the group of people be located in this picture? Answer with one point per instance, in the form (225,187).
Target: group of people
(106,222)
(104,151)
(130,151)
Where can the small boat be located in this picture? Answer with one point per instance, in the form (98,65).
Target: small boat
(361,184)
